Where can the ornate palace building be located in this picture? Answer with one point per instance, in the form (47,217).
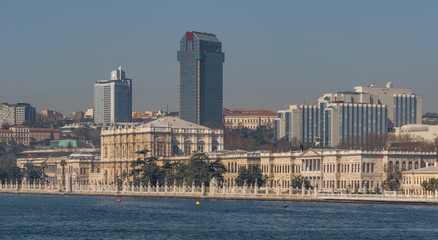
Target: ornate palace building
(164,138)
(330,170)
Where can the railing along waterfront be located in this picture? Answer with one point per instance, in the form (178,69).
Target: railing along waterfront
(213,191)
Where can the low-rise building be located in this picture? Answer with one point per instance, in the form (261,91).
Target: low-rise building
(89,114)
(25,135)
(420,132)
(51,114)
(41,134)
(251,119)
(412,180)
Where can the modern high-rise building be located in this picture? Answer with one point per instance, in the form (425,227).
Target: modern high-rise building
(404,107)
(201,79)
(113,99)
(19,113)
(349,117)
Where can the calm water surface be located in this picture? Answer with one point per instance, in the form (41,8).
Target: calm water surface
(90,217)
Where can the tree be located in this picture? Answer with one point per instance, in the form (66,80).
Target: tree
(152,173)
(145,169)
(33,173)
(63,164)
(392,182)
(260,139)
(197,169)
(43,169)
(252,175)
(216,170)
(298,181)
(430,185)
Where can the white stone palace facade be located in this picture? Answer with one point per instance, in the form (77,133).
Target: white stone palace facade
(329,170)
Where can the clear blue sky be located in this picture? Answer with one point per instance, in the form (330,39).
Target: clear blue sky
(276,53)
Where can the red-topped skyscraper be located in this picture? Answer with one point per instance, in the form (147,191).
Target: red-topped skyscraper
(201,79)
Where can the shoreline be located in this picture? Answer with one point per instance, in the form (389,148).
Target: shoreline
(242,198)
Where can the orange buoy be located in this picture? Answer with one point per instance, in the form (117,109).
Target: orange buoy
(118,200)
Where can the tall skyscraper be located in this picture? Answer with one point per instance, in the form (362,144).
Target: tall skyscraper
(113,99)
(201,79)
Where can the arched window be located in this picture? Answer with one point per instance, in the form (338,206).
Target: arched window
(397,166)
(175,150)
(390,167)
(410,166)
(188,147)
(403,166)
(416,165)
(201,146)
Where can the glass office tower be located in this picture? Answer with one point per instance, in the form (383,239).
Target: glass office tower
(113,99)
(201,79)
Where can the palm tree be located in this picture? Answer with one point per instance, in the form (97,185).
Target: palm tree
(63,164)
(43,168)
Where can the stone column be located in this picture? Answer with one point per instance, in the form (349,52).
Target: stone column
(124,187)
(203,189)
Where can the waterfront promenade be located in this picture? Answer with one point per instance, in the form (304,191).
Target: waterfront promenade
(214,192)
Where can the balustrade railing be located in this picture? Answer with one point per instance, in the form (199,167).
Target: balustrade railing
(213,190)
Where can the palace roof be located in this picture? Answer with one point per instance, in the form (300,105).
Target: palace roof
(255,112)
(174,122)
(430,169)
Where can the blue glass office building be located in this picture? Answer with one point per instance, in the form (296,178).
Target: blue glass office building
(201,79)
(405,109)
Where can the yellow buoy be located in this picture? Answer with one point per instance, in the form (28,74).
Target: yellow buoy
(198,203)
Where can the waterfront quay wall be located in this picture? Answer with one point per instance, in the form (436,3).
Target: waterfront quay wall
(214,192)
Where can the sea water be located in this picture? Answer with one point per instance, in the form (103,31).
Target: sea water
(96,217)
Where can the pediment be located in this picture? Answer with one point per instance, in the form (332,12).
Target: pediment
(310,153)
